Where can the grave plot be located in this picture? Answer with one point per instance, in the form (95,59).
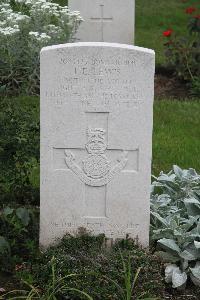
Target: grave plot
(96,135)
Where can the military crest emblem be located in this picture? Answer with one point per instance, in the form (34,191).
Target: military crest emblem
(96,168)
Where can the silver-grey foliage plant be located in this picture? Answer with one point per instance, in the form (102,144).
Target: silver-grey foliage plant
(175,224)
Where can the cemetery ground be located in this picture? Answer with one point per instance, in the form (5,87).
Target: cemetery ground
(102,273)
(175,141)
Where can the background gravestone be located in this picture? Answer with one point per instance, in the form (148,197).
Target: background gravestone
(105,20)
(96,139)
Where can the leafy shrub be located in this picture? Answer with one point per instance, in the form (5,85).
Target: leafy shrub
(18,232)
(19,150)
(99,270)
(183,52)
(175,224)
(25,27)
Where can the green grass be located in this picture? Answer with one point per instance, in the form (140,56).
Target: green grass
(61,2)
(155,16)
(176,135)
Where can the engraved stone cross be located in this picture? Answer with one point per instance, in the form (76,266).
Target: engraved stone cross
(102,19)
(97,164)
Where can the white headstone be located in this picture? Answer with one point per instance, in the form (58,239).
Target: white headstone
(96,139)
(105,20)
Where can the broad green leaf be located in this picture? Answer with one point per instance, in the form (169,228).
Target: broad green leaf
(197,244)
(179,279)
(169,272)
(187,225)
(167,257)
(178,233)
(163,200)
(197,194)
(169,245)
(193,236)
(187,255)
(159,218)
(193,208)
(184,265)
(195,274)
(192,172)
(198,227)
(178,171)
(191,201)
(173,224)
(3,87)
(192,250)
(23,215)
(161,233)
(166,178)
(8,211)
(195,280)
(4,246)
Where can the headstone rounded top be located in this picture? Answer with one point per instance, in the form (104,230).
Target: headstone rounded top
(98,44)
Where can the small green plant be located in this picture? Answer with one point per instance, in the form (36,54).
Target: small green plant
(183,53)
(195,86)
(15,241)
(130,280)
(56,288)
(175,224)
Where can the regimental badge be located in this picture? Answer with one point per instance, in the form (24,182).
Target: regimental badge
(96,169)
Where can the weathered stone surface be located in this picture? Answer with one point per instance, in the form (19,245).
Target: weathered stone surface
(106,20)
(96,138)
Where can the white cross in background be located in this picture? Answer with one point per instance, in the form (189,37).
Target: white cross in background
(102,20)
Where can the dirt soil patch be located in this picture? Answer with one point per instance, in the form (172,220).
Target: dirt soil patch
(191,293)
(8,282)
(168,86)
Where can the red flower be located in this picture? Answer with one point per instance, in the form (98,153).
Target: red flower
(190,10)
(197,17)
(168,32)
